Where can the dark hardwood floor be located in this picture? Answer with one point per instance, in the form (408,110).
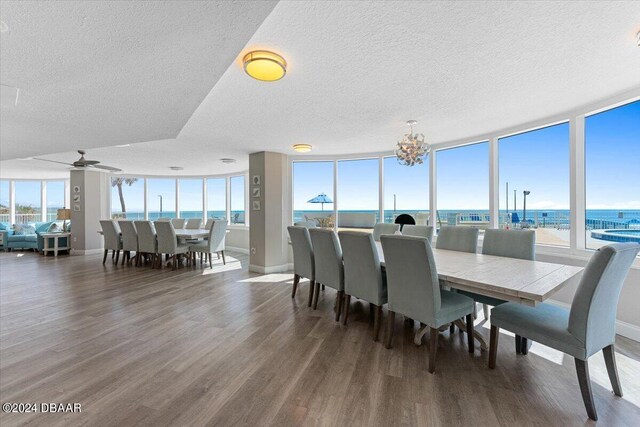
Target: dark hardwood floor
(197,346)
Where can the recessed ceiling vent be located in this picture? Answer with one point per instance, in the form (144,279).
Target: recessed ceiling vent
(227,160)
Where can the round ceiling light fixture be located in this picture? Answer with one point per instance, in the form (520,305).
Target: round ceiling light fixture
(227,160)
(302,148)
(264,65)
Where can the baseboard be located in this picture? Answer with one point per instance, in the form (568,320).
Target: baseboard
(87,251)
(624,329)
(268,270)
(239,250)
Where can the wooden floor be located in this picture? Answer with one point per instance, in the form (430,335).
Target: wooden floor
(225,347)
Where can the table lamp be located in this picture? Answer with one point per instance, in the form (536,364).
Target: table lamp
(64,214)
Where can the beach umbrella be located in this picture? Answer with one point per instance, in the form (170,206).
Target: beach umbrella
(320,198)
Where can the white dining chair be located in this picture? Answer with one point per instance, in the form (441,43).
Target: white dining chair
(111,234)
(129,240)
(178,222)
(209,223)
(193,223)
(425,231)
(382,228)
(303,262)
(168,242)
(329,268)
(214,244)
(147,241)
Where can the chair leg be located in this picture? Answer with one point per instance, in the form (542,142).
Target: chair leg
(518,344)
(173,262)
(323,287)
(377,321)
(485,311)
(493,346)
(104,258)
(113,254)
(296,280)
(470,338)
(610,360)
(339,301)
(582,369)
(433,349)
(224,261)
(311,288)
(345,312)
(210,262)
(452,328)
(391,318)
(124,256)
(117,257)
(316,296)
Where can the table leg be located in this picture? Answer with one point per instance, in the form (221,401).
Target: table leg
(46,246)
(477,335)
(55,246)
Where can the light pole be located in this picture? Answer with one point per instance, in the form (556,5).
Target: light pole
(524,211)
(160,195)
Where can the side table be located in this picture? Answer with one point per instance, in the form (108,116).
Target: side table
(56,247)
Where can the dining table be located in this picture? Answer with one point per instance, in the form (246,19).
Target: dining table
(186,233)
(510,279)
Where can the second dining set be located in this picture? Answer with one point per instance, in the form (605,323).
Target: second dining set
(175,238)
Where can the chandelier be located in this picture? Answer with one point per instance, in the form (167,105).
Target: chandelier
(412,149)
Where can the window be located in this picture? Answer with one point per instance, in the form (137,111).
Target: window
(127,198)
(406,190)
(313,192)
(536,162)
(4,201)
(463,186)
(161,198)
(55,199)
(217,198)
(237,200)
(612,160)
(191,198)
(358,193)
(28,201)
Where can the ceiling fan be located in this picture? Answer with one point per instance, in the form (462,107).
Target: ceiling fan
(83,163)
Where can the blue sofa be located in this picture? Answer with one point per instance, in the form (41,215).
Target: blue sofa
(26,241)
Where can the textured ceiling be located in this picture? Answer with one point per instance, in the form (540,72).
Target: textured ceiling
(97,73)
(358,71)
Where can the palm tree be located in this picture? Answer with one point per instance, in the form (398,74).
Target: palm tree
(117,182)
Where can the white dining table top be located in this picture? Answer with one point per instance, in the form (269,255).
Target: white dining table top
(511,279)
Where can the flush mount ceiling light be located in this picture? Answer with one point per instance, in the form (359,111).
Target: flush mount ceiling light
(176,168)
(412,149)
(264,65)
(227,160)
(302,148)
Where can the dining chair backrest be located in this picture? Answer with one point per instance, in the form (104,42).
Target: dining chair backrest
(381,228)
(193,223)
(362,271)
(424,231)
(461,239)
(129,235)
(327,255)
(163,219)
(519,244)
(167,241)
(592,319)
(147,241)
(217,236)
(178,222)
(412,279)
(111,233)
(303,263)
(209,223)
(307,224)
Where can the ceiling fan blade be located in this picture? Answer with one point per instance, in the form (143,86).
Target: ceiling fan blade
(53,161)
(109,168)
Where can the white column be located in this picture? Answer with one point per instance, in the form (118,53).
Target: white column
(494,183)
(204,201)
(177,198)
(433,194)
(67,194)
(43,201)
(577,183)
(247,208)
(12,202)
(335,195)
(227,181)
(146,198)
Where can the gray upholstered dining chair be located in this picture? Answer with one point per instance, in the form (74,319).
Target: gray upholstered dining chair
(382,228)
(588,327)
(214,244)
(147,241)
(461,239)
(209,223)
(520,244)
(329,268)
(129,240)
(178,222)
(111,234)
(363,275)
(193,223)
(414,291)
(168,242)
(425,231)
(303,262)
